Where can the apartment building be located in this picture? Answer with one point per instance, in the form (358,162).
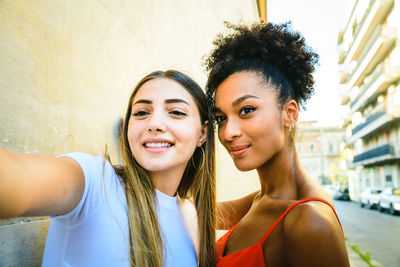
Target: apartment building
(369,65)
(321,152)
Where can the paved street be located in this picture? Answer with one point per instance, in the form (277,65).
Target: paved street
(372,231)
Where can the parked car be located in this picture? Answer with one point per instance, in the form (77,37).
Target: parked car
(370,198)
(390,200)
(342,194)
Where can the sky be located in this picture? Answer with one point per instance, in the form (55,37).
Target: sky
(319,22)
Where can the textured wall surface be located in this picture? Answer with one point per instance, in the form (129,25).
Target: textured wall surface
(67,69)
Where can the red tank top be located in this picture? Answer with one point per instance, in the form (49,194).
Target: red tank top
(253,255)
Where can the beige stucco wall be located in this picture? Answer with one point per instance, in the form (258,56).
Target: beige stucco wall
(67,69)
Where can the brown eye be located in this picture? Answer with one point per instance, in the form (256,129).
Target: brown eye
(178,113)
(219,119)
(140,113)
(247,110)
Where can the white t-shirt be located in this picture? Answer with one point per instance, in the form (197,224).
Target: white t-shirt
(96,231)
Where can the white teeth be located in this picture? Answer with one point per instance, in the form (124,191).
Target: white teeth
(157,145)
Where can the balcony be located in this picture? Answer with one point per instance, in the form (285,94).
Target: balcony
(344,95)
(344,99)
(340,37)
(371,78)
(345,122)
(367,122)
(376,12)
(342,54)
(378,120)
(377,155)
(346,119)
(377,48)
(375,84)
(344,73)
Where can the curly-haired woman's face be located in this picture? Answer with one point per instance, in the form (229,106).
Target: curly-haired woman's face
(249,120)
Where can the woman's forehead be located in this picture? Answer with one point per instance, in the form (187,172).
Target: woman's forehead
(243,84)
(161,89)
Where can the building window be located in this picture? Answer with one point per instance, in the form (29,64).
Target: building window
(388,180)
(368,182)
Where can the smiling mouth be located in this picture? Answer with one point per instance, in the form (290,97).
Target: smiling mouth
(157,145)
(238,151)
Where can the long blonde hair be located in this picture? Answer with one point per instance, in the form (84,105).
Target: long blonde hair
(197,184)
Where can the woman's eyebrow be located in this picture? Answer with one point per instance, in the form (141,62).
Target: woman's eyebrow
(241,99)
(236,102)
(167,101)
(176,100)
(143,101)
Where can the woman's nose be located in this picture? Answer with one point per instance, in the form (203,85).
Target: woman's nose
(231,130)
(156,122)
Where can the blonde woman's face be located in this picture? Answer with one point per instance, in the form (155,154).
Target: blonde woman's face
(164,128)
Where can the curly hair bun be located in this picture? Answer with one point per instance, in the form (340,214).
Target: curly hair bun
(260,47)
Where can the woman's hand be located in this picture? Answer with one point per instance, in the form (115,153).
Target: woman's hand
(229,213)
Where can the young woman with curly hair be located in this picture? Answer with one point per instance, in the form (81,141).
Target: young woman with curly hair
(259,78)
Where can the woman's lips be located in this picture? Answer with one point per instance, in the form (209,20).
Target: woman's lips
(157,149)
(157,145)
(238,151)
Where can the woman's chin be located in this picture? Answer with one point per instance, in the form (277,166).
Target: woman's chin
(243,167)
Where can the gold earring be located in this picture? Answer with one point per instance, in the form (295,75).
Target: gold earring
(291,127)
(203,159)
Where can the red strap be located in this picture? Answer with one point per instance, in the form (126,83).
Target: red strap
(291,207)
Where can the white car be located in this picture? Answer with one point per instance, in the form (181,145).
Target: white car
(390,200)
(370,198)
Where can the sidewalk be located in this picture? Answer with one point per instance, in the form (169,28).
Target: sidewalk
(355,259)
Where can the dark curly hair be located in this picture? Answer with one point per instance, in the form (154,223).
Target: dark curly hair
(273,50)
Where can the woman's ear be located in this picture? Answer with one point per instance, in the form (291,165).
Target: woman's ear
(203,135)
(290,113)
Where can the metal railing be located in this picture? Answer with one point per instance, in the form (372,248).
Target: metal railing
(361,23)
(368,121)
(386,149)
(374,37)
(373,76)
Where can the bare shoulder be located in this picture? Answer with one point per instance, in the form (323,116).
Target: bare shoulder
(312,216)
(313,236)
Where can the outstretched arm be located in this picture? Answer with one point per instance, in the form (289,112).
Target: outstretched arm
(33,185)
(230,212)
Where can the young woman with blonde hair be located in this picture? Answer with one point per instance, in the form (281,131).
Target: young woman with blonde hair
(155,209)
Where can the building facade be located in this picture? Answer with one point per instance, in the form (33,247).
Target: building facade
(369,64)
(320,150)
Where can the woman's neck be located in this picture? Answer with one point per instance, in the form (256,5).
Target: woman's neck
(281,176)
(167,182)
